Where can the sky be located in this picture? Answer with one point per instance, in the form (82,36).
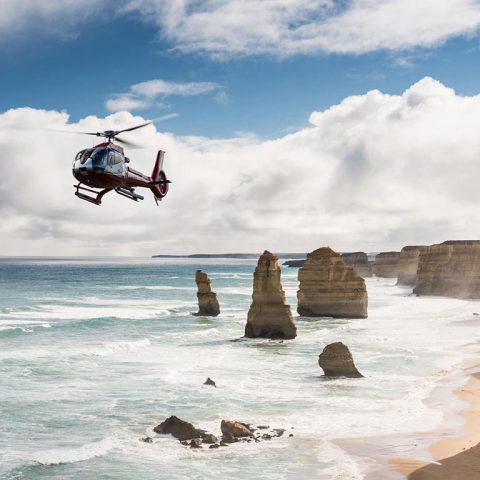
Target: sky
(288,124)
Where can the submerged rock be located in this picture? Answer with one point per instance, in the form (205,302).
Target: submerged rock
(196,443)
(450,269)
(330,288)
(179,429)
(337,361)
(207,300)
(386,264)
(408,265)
(209,381)
(269,316)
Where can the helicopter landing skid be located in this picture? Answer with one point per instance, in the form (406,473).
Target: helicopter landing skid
(97,200)
(128,192)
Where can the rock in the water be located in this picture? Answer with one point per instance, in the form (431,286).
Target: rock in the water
(209,381)
(269,316)
(147,439)
(330,288)
(210,438)
(179,429)
(359,262)
(386,264)
(234,429)
(196,443)
(337,361)
(408,265)
(450,269)
(207,300)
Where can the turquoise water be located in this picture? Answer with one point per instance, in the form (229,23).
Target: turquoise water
(95,352)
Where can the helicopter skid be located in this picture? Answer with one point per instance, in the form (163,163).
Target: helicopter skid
(97,200)
(128,193)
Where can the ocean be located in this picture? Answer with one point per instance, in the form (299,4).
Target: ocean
(95,352)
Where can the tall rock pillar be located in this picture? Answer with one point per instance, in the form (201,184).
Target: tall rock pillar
(269,316)
(330,288)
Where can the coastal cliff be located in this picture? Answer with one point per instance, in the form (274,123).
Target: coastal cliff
(269,316)
(386,264)
(408,265)
(450,269)
(330,288)
(359,262)
(207,300)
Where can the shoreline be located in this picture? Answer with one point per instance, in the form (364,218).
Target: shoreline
(455,452)
(418,455)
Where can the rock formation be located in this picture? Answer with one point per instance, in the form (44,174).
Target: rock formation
(450,269)
(386,264)
(231,428)
(330,288)
(269,316)
(359,262)
(179,429)
(207,300)
(294,263)
(408,265)
(210,382)
(337,361)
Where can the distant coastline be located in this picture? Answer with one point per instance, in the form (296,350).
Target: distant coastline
(233,255)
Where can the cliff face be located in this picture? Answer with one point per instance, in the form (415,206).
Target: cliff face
(330,288)
(359,262)
(450,269)
(207,300)
(386,264)
(408,265)
(269,316)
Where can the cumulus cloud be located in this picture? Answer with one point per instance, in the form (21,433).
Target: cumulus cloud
(229,28)
(146,94)
(374,172)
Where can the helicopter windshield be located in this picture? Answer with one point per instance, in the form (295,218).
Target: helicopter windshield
(99,158)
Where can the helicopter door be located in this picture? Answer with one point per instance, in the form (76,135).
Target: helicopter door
(115,163)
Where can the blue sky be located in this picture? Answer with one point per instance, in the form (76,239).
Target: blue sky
(260,94)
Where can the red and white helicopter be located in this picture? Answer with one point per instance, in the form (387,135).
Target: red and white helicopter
(104,167)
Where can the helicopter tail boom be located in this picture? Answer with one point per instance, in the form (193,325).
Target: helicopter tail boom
(159,178)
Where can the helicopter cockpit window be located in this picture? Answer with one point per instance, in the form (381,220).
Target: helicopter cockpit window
(99,157)
(118,158)
(111,158)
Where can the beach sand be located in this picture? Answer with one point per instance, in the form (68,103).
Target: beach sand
(456,457)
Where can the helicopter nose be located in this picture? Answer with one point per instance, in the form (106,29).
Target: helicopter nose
(84,168)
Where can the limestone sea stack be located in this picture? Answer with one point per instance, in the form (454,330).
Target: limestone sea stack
(450,269)
(269,316)
(386,264)
(359,262)
(408,265)
(337,361)
(330,288)
(207,300)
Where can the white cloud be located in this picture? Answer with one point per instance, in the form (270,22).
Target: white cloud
(57,17)
(226,29)
(125,102)
(145,94)
(376,171)
(229,28)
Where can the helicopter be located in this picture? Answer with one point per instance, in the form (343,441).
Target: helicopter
(104,167)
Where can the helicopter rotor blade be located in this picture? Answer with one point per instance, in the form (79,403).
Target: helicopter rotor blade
(127,143)
(134,128)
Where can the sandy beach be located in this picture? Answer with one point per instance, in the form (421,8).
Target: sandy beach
(456,454)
